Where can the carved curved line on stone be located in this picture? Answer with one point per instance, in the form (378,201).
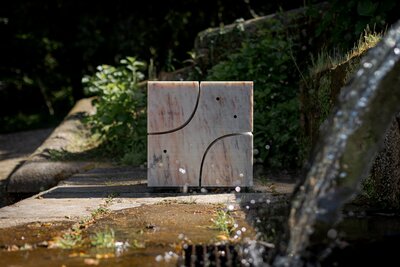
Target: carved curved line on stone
(209,147)
(187,122)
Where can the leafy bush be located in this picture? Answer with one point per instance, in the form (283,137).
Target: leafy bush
(120,118)
(268,62)
(345,21)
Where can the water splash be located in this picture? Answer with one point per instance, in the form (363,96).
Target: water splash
(349,141)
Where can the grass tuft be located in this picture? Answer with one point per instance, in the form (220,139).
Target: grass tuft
(103,239)
(224,222)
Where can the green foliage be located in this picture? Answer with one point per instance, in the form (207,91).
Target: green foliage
(22,121)
(70,240)
(269,63)
(45,51)
(345,21)
(120,118)
(224,222)
(103,239)
(99,212)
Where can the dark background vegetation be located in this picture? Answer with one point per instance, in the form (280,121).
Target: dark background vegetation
(47,46)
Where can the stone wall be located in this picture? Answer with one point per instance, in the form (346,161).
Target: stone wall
(381,189)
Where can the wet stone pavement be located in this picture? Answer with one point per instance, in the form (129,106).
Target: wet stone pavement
(148,228)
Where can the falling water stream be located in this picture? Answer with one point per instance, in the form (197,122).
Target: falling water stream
(350,139)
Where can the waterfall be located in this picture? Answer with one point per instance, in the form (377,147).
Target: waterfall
(349,141)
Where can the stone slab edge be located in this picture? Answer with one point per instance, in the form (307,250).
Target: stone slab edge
(38,172)
(38,209)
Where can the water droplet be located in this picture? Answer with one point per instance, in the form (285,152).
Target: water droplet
(237,189)
(367,65)
(203,190)
(397,51)
(238,232)
(185,188)
(167,257)
(231,207)
(342,174)
(268,201)
(252,201)
(267,147)
(244,229)
(241,175)
(159,258)
(182,170)
(332,233)
(247,207)
(235,225)
(362,102)
(360,72)
(321,211)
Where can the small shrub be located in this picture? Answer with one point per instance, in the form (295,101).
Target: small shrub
(269,63)
(120,118)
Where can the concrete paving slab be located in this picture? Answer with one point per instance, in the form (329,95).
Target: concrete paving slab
(121,188)
(15,149)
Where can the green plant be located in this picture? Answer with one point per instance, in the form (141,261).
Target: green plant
(99,212)
(268,61)
(224,222)
(324,60)
(344,22)
(70,240)
(103,239)
(120,118)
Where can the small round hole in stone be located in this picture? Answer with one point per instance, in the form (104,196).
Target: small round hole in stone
(165,151)
(235,116)
(217,98)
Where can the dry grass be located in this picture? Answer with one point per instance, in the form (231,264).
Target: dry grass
(325,60)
